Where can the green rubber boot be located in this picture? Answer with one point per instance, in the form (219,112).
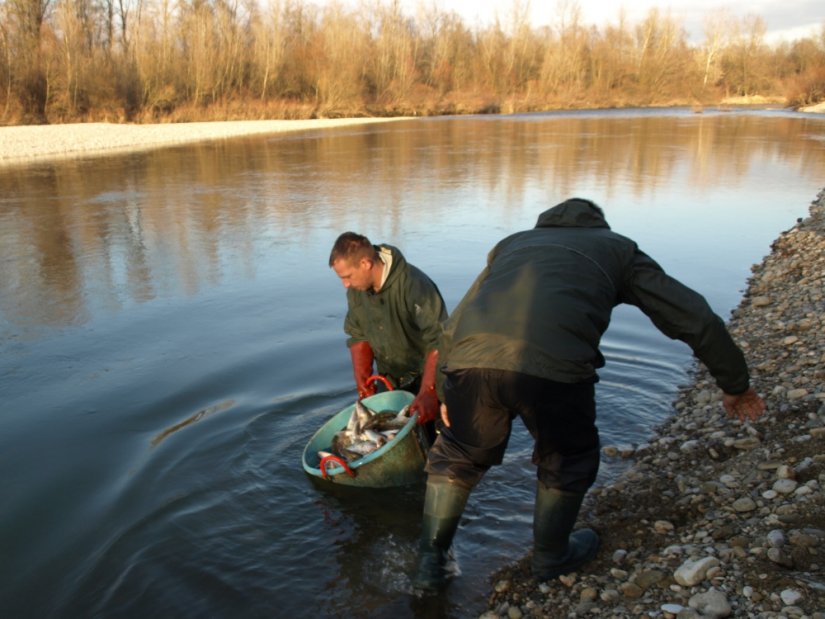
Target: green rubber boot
(555,550)
(444,503)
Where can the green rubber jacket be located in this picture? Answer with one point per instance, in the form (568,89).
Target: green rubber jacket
(544,301)
(401,322)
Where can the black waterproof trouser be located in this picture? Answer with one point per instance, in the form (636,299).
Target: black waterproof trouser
(481,405)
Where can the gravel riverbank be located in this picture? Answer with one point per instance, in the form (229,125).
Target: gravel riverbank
(718,518)
(32,143)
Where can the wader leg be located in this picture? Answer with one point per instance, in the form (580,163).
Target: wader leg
(555,550)
(444,503)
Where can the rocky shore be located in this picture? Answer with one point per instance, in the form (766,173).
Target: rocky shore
(715,517)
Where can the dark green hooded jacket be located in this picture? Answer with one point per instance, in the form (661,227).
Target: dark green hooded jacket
(402,321)
(544,300)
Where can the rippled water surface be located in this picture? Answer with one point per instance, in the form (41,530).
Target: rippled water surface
(171,337)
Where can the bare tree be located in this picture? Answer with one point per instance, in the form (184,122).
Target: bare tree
(29,77)
(717,35)
(745,59)
(447,50)
(157,55)
(269,37)
(337,61)
(661,52)
(611,60)
(563,68)
(396,48)
(7,67)
(520,50)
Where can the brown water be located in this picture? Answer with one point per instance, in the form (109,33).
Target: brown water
(171,337)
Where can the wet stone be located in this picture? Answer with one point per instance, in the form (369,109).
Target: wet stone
(790,597)
(692,572)
(631,590)
(648,578)
(745,504)
(784,486)
(712,603)
(776,538)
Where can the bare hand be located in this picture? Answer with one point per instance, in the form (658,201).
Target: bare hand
(444,416)
(747,405)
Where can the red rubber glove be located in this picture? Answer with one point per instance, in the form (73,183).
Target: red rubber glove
(426,405)
(426,402)
(362,358)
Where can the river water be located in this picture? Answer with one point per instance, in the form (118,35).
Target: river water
(171,337)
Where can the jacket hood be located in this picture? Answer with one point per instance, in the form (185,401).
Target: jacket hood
(576,213)
(398,263)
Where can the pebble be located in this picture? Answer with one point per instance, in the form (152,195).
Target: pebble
(745,504)
(663,526)
(514,612)
(648,578)
(609,595)
(783,471)
(692,572)
(796,394)
(588,594)
(715,517)
(790,597)
(673,609)
(784,486)
(776,538)
(712,603)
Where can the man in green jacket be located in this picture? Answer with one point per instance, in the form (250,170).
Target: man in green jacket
(524,341)
(394,315)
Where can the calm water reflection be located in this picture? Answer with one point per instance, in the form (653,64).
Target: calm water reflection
(170,338)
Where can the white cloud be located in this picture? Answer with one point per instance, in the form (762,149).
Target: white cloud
(806,17)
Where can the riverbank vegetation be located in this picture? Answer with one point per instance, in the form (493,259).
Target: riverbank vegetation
(187,60)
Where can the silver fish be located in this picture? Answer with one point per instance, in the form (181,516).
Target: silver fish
(375,437)
(340,442)
(380,420)
(366,431)
(359,418)
(362,448)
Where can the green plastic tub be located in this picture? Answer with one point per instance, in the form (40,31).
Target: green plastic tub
(400,462)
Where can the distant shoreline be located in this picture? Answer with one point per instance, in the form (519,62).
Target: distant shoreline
(36,143)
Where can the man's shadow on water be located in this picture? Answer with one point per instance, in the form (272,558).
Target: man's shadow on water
(375,553)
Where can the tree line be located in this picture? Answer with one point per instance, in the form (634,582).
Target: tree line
(179,60)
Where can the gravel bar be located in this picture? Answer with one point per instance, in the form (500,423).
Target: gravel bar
(35,143)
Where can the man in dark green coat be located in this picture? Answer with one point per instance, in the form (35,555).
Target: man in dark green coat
(394,315)
(524,341)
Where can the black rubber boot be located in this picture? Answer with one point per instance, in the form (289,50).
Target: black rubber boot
(444,503)
(555,550)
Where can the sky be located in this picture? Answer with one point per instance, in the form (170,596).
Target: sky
(784,19)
